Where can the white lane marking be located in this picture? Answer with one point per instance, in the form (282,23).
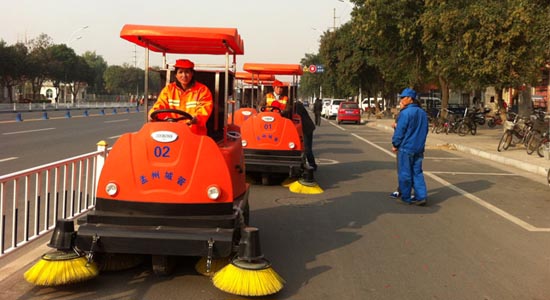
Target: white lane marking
(27,131)
(490,207)
(464,193)
(337,126)
(474,173)
(388,152)
(114,137)
(116,121)
(9,158)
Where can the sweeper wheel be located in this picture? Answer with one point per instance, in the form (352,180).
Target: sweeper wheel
(163,265)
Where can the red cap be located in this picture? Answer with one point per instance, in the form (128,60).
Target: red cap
(184,64)
(277,83)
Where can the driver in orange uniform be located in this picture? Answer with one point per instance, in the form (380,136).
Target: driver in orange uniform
(188,95)
(277,96)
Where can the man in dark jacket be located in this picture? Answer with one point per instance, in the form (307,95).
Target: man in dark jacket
(317,107)
(307,128)
(409,140)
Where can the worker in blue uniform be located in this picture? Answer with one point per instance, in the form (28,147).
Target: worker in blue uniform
(408,142)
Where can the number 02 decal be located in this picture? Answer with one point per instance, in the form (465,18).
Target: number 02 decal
(162,151)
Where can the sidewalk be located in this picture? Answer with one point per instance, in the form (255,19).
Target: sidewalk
(483,144)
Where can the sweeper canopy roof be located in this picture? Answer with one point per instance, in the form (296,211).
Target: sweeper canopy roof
(274,69)
(184,40)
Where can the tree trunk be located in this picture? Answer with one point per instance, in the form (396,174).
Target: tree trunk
(525,103)
(444,84)
(74,88)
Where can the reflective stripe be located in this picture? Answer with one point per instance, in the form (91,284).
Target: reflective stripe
(174,102)
(191,104)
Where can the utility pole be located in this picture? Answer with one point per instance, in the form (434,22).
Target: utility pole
(334,19)
(135,66)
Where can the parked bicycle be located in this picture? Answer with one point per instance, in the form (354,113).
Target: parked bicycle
(540,139)
(452,121)
(495,120)
(437,122)
(515,132)
(468,123)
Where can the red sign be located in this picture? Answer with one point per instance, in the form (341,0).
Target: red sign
(312,68)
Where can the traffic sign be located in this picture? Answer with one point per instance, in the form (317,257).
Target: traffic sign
(320,69)
(312,69)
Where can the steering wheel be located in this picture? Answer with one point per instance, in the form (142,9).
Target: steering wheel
(234,135)
(271,108)
(184,115)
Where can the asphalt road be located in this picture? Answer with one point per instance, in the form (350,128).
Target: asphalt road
(483,235)
(35,141)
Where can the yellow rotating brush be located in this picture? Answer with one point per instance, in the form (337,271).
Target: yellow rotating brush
(306,184)
(65,265)
(59,268)
(287,182)
(249,274)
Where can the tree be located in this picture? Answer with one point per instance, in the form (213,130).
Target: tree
(61,63)
(37,68)
(115,80)
(98,65)
(12,66)
(391,33)
(80,75)
(124,79)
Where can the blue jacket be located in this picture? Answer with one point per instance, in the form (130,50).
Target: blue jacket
(411,130)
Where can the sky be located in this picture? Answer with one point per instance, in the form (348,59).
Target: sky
(280,31)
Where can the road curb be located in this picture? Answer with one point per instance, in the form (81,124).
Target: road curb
(503,160)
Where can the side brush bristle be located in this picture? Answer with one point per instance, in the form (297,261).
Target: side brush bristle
(59,268)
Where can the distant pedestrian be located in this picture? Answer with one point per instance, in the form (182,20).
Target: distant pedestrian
(409,141)
(502,105)
(317,107)
(307,129)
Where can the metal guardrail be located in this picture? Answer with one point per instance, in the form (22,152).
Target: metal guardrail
(15,107)
(32,200)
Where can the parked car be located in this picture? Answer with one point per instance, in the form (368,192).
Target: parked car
(350,112)
(369,103)
(429,103)
(330,110)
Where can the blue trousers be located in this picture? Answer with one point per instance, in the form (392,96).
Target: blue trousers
(410,175)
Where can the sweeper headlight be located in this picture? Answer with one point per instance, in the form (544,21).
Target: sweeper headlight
(291,145)
(244,143)
(214,192)
(111,189)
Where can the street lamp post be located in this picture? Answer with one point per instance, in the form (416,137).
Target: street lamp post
(69,40)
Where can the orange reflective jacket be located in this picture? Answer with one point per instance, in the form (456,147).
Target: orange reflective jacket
(269,98)
(197,101)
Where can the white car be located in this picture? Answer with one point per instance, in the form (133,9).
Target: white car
(330,108)
(369,103)
(430,102)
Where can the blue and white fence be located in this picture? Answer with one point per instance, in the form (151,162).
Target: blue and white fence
(32,200)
